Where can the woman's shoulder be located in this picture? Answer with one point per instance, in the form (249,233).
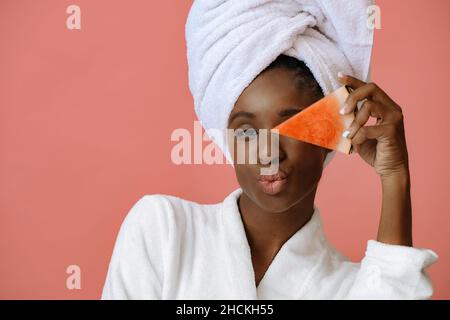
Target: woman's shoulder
(168,211)
(165,203)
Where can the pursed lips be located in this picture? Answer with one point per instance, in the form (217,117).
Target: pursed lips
(273,184)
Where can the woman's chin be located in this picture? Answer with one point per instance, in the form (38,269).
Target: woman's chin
(275,204)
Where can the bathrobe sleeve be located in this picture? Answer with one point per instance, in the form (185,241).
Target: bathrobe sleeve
(136,267)
(393,272)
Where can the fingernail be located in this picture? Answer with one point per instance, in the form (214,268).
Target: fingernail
(346,133)
(342,111)
(341,74)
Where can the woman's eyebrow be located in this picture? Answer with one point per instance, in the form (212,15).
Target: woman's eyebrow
(289,111)
(283,113)
(241,114)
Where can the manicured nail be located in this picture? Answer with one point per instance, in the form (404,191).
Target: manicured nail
(342,111)
(341,74)
(346,133)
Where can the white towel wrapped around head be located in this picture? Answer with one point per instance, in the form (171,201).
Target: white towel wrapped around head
(229,42)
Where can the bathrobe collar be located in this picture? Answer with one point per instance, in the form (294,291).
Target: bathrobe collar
(290,273)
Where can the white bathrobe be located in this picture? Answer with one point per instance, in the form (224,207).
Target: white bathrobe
(171,248)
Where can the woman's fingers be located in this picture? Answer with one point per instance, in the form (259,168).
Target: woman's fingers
(369,109)
(350,81)
(375,103)
(361,94)
(368,133)
(362,91)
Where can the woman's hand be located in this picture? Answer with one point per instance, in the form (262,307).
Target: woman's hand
(382,145)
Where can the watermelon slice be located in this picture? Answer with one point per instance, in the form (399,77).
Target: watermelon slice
(321,124)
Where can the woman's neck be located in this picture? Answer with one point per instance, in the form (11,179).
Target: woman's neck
(268,231)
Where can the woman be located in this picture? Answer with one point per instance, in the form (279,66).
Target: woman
(267,242)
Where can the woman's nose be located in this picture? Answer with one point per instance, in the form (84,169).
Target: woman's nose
(271,150)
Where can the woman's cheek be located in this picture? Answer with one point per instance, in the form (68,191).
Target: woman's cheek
(307,162)
(246,179)
(304,154)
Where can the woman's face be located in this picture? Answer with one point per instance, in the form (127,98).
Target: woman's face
(269,100)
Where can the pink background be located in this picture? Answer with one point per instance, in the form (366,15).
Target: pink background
(85,124)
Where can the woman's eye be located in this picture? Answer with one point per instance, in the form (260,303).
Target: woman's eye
(246,133)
